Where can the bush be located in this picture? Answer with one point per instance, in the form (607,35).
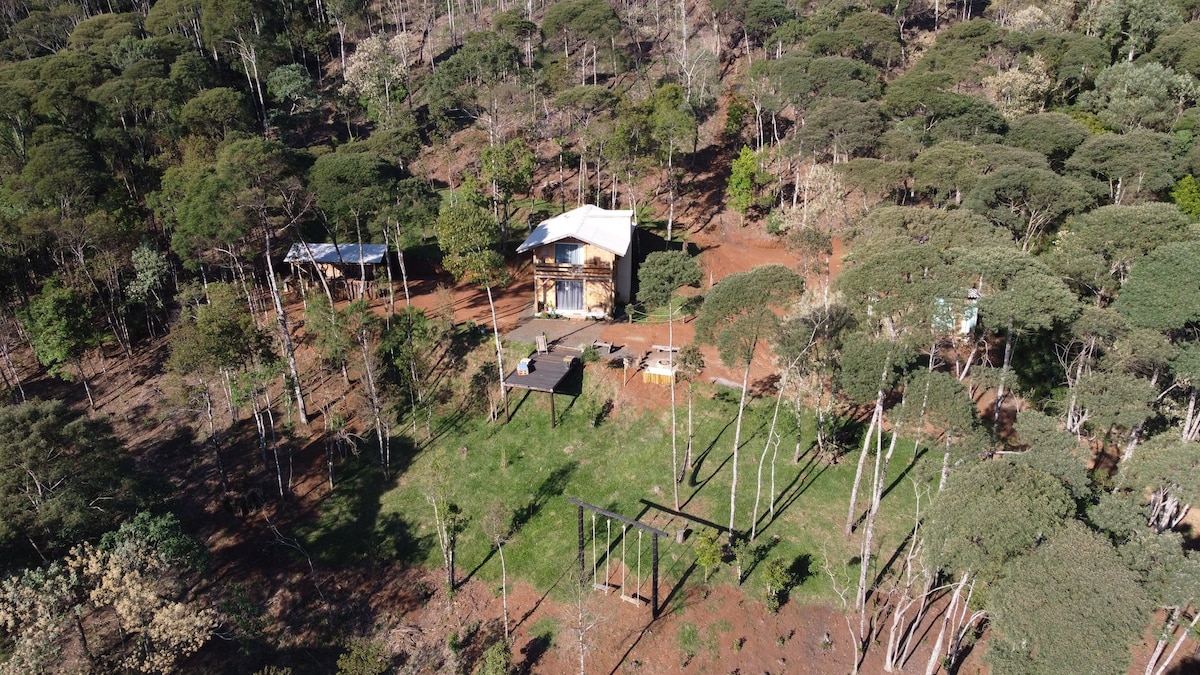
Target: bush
(497,660)
(777,578)
(708,550)
(364,657)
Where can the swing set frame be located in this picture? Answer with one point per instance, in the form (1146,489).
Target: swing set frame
(654,532)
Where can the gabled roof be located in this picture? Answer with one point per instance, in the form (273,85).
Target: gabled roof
(609,230)
(350,254)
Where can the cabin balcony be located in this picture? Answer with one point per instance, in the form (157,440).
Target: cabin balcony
(592,270)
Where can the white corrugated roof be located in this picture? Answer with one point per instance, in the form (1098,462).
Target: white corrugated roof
(350,254)
(609,230)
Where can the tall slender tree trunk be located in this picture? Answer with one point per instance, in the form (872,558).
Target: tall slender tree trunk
(671,190)
(674,427)
(403,268)
(876,419)
(935,655)
(285,334)
(1191,627)
(737,441)
(766,448)
(868,544)
(1002,389)
(503,589)
(87,389)
(499,350)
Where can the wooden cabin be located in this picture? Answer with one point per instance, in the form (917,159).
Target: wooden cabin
(582,262)
(348,268)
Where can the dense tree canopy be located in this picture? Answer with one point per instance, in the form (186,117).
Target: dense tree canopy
(56,466)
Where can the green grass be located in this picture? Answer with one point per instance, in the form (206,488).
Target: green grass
(614,466)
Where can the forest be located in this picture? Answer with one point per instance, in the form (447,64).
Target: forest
(929,269)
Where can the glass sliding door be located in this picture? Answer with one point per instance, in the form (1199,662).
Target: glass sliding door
(568,295)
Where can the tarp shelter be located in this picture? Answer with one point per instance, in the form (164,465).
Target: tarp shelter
(582,261)
(351,265)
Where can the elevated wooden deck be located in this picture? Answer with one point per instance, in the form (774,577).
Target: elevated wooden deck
(546,372)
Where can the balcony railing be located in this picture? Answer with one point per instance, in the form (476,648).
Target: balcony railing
(596,270)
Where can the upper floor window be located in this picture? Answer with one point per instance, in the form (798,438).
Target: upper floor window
(568,254)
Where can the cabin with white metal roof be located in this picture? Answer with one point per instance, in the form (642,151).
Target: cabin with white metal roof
(348,267)
(582,262)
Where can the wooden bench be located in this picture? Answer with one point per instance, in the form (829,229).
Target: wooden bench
(664,348)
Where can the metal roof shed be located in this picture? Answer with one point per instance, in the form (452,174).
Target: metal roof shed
(337,254)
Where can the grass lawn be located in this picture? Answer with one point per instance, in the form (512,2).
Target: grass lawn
(615,465)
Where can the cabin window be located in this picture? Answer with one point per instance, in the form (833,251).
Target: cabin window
(568,254)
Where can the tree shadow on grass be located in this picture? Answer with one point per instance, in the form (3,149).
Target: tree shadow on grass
(907,469)
(792,491)
(552,485)
(758,554)
(349,527)
(747,434)
(798,572)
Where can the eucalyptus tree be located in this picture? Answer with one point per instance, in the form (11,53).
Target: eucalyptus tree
(591,110)
(410,347)
(473,81)
(210,343)
(1130,27)
(738,313)
(468,240)
(1053,134)
(580,26)
(56,465)
(1053,450)
(893,289)
(1071,605)
(688,367)
(351,189)
(674,128)
(659,278)
(242,31)
(1168,470)
(407,219)
(1166,570)
(1017,294)
(945,404)
(946,172)
(1140,96)
(1095,251)
(1186,368)
(1155,297)
(988,515)
(1158,291)
(365,329)
(508,168)
(58,321)
(1028,202)
(842,128)
(1124,168)
(267,193)
(877,181)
